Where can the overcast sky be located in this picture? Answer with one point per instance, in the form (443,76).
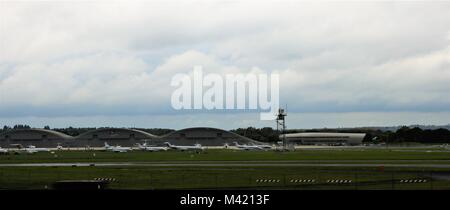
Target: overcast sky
(106,63)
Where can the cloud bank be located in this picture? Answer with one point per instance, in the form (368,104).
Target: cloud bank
(117,58)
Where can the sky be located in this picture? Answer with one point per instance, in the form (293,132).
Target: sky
(110,63)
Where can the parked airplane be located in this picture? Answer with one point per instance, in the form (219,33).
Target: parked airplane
(150,148)
(32,149)
(444,146)
(262,146)
(3,151)
(252,147)
(116,148)
(184,148)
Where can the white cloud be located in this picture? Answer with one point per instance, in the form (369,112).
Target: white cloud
(334,56)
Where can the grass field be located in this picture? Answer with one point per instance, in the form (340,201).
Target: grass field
(234,177)
(225,155)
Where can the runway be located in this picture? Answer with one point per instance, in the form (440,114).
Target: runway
(224,164)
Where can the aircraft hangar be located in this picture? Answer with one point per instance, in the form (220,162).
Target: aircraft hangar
(119,136)
(33,136)
(114,136)
(204,136)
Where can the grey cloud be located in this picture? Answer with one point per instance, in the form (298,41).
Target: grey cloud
(332,57)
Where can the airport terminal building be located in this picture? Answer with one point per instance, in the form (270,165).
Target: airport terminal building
(321,138)
(120,136)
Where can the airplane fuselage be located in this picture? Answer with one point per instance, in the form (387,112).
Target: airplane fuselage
(197,147)
(252,147)
(116,148)
(33,149)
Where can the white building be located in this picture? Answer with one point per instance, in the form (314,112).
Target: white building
(325,138)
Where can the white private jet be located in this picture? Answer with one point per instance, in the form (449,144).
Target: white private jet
(150,148)
(33,149)
(252,147)
(3,151)
(262,146)
(116,148)
(265,146)
(444,146)
(197,147)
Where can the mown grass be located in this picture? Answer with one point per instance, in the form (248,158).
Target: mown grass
(228,177)
(222,155)
(223,177)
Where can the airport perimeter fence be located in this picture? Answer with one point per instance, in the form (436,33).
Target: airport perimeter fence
(167,178)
